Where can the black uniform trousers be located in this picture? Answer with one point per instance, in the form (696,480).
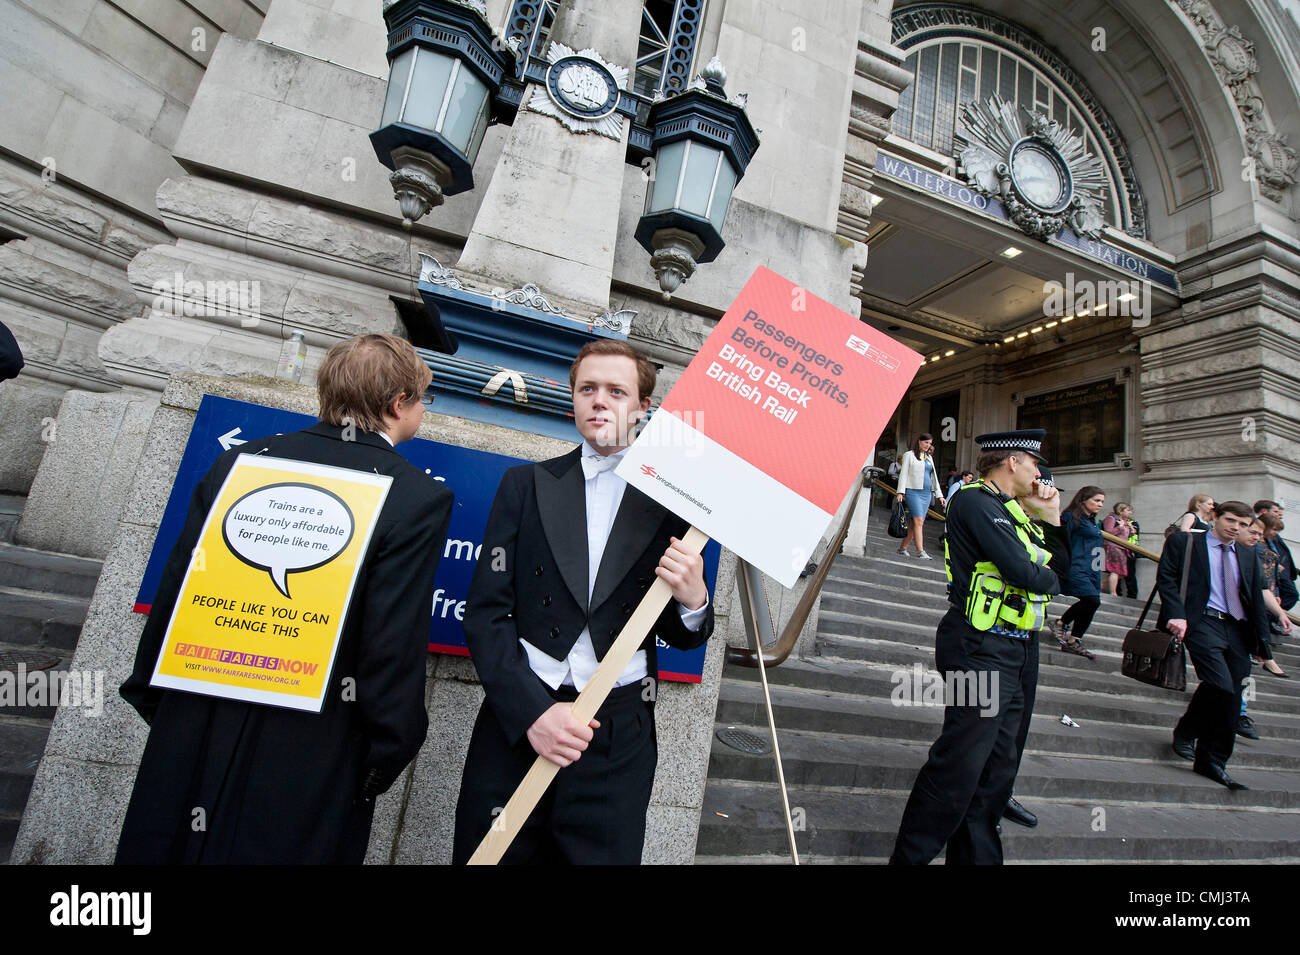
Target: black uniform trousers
(1220,652)
(594,811)
(960,792)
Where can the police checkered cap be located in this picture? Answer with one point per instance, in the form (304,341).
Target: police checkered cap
(1026,439)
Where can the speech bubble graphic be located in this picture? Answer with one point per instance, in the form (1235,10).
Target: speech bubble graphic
(288,528)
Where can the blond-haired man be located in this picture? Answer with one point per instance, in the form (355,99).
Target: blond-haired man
(286,786)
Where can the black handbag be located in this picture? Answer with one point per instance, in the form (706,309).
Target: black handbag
(898,520)
(1155,657)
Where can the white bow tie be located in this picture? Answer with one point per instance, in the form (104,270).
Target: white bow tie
(593,464)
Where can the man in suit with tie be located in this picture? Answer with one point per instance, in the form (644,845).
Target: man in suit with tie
(1221,620)
(567,554)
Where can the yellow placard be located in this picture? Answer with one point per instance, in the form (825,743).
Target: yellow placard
(268,586)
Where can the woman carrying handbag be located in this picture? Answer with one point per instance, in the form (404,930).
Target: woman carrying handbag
(1079,524)
(917,483)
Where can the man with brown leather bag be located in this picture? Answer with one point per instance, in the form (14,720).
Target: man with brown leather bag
(1220,621)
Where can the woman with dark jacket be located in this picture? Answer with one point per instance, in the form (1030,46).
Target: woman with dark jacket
(1079,525)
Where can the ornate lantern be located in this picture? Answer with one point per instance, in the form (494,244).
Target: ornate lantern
(445,68)
(702,144)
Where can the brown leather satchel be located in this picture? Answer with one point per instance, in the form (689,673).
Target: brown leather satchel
(1155,657)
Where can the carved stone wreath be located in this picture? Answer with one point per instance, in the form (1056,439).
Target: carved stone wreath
(1233,58)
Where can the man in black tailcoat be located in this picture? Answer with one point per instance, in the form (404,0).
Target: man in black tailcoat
(227,781)
(569,550)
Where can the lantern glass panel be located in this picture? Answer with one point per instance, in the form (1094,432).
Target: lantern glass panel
(428,89)
(697,182)
(722,194)
(667,170)
(468,104)
(398,76)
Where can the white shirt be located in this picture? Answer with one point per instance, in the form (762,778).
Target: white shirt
(604,491)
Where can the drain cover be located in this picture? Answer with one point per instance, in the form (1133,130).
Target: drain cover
(30,660)
(745,741)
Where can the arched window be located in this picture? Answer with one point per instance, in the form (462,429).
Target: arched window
(960,55)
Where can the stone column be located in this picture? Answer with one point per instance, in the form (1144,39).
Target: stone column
(550,213)
(878,77)
(1220,379)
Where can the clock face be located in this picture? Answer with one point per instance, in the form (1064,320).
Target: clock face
(1040,176)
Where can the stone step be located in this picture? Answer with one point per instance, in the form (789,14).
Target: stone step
(11,511)
(22,741)
(851,750)
(8,835)
(41,619)
(878,679)
(825,761)
(930,610)
(1102,638)
(864,592)
(741,704)
(745,818)
(23,568)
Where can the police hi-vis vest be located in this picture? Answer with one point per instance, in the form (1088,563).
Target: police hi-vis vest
(990,599)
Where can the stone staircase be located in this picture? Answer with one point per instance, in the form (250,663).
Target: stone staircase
(1108,790)
(43,602)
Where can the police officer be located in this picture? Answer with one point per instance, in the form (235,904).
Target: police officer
(999,588)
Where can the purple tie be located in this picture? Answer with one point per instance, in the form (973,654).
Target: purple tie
(1231,594)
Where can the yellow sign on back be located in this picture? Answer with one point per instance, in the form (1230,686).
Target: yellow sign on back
(263,603)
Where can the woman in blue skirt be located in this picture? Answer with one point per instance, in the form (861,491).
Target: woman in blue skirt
(917,483)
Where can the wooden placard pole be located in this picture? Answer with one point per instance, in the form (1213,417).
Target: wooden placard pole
(511,819)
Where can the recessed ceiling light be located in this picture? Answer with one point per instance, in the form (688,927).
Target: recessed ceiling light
(1009,338)
(1070,318)
(950,351)
(1127,296)
(1102,307)
(1011,252)
(934,358)
(1036,329)
(1050,325)
(1023,335)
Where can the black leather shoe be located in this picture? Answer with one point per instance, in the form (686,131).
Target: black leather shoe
(1218,774)
(1019,814)
(1186,748)
(1246,728)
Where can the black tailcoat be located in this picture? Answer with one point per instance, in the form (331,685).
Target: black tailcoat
(537,532)
(278,785)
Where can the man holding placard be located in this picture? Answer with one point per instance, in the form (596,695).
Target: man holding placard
(282,666)
(568,551)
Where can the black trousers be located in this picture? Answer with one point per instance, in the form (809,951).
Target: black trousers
(594,811)
(1220,652)
(960,792)
(1080,615)
(1129,585)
